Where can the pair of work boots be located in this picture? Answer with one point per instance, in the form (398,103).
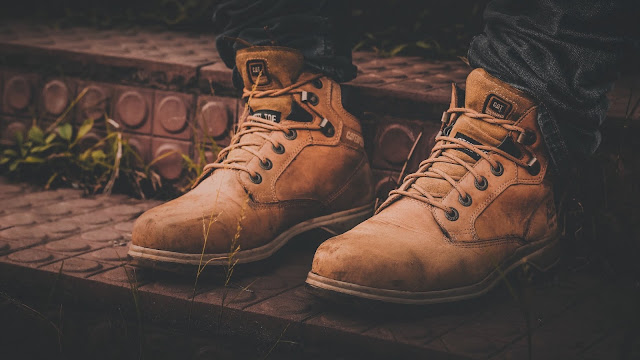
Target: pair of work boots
(479,206)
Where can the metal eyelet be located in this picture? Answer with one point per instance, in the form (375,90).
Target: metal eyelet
(257,179)
(466,201)
(310,97)
(317,83)
(267,165)
(452,214)
(498,170)
(534,167)
(327,128)
(482,185)
(527,138)
(278,149)
(291,135)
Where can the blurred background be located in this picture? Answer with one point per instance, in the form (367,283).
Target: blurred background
(433,29)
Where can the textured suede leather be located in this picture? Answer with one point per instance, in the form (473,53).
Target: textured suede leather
(411,245)
(316,175)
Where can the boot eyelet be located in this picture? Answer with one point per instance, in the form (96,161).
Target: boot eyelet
(256,179)
(317,83)
(466,201)
(278,149)
(452,214)
(309,97)
(534,169)
(267,165)
(527,138)
(291,135)
(499,170)
(327,128)
(482,185)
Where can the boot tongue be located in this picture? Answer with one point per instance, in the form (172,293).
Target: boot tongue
(488,95)
(267,68)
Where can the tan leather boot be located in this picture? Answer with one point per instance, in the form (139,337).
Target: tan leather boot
(296,163)
(478,207)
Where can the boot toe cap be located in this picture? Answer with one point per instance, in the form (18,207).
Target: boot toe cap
(174,227)
(369,260)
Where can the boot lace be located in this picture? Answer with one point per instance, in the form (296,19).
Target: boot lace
(263,128)
(438,155)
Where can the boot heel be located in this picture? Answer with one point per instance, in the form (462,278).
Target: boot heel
(347,222)
(545,258)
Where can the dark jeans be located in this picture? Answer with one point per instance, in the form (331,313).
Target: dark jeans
(564,53)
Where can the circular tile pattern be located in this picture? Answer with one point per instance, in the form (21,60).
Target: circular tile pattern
(169,167)
(395,143)
(92,219)
(111,254)
(59,227)
(132,109)
(25,218)
(123,274)
(172,114)
(102,235)
(40,197)
(55,97)
(23,232)
(126,227)
(68,245)
(215,119)
(94,103)
(17,93)
(79,265)
(61,208)
(30,256)
(384,186)
(9,134)
(83,203)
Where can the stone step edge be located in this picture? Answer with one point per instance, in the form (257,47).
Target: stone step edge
(104,296)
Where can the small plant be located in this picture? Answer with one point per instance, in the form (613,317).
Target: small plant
(59,155)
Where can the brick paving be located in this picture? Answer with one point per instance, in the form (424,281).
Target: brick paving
(81,242)
(160,86)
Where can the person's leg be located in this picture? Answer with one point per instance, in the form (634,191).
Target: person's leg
(566,54)
(297,161)
(484,202)
(317,29)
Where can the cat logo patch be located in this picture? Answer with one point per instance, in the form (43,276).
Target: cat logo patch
(497,107)
(257,70)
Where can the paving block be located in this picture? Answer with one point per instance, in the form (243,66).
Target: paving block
(216,117)
(393,142)
(56,96)
(385,181)
(95,104)
(10,126)
(173,115)
(171,166)
(141,144)
(19,96)
(132,109)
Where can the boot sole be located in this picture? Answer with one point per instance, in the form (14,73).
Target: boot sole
(541,258)
(335,224)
